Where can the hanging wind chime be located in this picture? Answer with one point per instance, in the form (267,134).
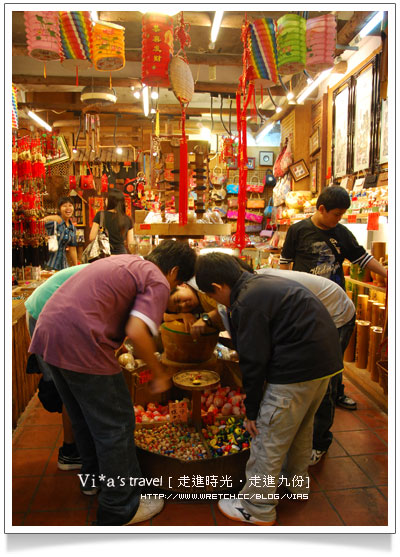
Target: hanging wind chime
(240,238)
(182,84)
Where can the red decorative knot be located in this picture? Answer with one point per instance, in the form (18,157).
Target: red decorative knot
(181,34)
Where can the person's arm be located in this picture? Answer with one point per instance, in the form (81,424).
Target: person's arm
(51,218)
(145,348)
(374,266)
(288,252)
(93,231)
(129,237)
(200,325)
(74,255)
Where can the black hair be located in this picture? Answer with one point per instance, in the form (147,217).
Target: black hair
(334,197)
(63,200)
(116,200)
(217,267)
(169,254)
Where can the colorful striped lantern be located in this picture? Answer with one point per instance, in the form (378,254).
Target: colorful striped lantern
(157,48)
(108,46)
(263,53)
(321,42)
(291,44)
(14,108)
(76,39)
(43,35)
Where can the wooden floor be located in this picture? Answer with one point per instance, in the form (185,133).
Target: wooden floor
(348,486)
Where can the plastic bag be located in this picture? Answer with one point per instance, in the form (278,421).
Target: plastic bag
(279,192)
(52,242)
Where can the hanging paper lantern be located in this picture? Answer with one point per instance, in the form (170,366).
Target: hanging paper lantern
(14,108)
(43,35)
(157,48)
(76,39)
(291,44)
(108,46)
(263,53)
(321,42)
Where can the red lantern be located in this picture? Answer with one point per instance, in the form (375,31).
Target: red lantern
(157,49)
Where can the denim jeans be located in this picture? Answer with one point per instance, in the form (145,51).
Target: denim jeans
(325,414)
(103,420)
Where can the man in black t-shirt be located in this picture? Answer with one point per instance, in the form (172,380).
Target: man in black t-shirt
(319,245)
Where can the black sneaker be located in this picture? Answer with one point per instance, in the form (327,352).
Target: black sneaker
(72,462)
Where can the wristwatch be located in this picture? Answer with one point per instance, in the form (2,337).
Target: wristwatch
(207,319)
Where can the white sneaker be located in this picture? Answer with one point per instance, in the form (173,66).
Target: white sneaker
(148,507)
(316,456)
(232,508)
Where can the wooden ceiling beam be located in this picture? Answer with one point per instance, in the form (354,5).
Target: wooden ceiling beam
(351,28)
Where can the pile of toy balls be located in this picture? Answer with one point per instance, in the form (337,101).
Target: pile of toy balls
(225,401)
(227,437)
(172,440)
(153,413)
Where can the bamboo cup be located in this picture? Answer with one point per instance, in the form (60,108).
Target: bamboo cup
(370,303)
(362,343)
(375,339)
(375,314)
(378,250)
(349,353)
(362,302)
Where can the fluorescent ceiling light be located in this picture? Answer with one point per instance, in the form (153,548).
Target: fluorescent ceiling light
(264,131)
(216,25)
(372,23)
(145,98)
(41,122)
(313,85)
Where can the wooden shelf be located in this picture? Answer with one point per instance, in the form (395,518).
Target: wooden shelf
(190,230)
(368,285)
(362,379)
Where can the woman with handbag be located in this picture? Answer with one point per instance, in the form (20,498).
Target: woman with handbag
(62,233)
(116,222)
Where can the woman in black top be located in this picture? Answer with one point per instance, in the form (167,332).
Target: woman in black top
(116,222)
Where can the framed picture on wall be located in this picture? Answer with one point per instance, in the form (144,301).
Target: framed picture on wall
(299,170)
(314,177)
(314,142)
(251,163)
(62,152)
(340,132)
(362,121)
(266,158)
(384,149)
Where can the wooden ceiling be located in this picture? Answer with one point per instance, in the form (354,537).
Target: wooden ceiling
(216,72)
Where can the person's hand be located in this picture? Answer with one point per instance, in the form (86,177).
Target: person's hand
(160,384)
(188,320)
(197,328)
(250,426)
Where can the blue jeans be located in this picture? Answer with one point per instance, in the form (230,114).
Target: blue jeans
(103,421)
(322,437)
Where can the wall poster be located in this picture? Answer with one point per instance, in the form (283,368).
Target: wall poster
(362,127)
(384,148)
(341,125)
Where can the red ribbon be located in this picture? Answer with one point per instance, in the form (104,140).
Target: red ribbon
(183,173)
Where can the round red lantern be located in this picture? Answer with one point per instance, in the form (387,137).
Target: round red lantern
(157,48)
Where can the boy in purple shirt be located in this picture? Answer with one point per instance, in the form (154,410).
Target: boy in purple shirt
(77,333)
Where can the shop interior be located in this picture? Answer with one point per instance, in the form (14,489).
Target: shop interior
(215,139)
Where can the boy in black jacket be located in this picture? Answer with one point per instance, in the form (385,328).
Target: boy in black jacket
(282,333)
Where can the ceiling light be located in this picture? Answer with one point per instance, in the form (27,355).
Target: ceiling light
(74,150)
(136,94)
(216,25)
(290,95)
(153,111)
(205,133)
(118,151)
(145,98)
(372,23)
(154,95)
(313,85)
(278,109)
(41,122)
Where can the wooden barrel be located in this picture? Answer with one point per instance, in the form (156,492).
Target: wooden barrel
(375,339)
(179,346)
(362,343)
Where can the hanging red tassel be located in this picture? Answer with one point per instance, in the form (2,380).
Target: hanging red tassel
(183,173)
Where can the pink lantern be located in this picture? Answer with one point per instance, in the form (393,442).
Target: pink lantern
(43,35)
(321,42)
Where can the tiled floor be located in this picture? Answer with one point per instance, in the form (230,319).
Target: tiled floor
(348,487)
